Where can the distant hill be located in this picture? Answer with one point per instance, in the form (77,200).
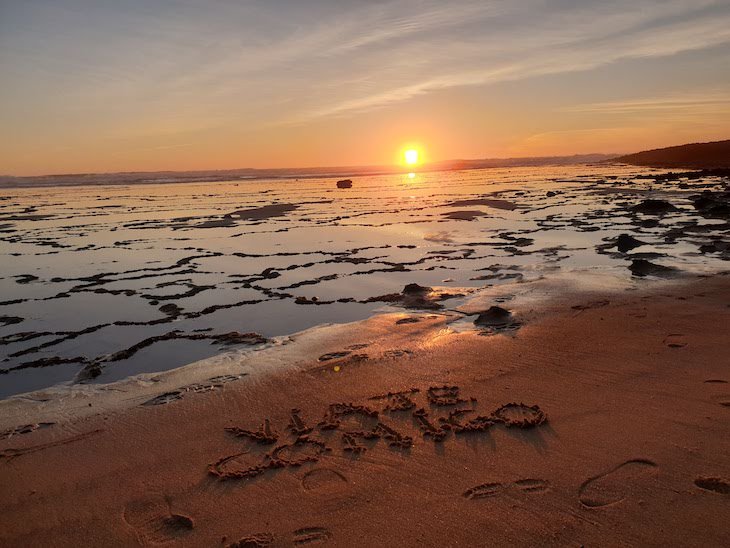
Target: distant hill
(693,156)
(519,162)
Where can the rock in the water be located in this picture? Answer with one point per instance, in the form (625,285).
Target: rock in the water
(715,247)
(642,267)
(713,204)
(496,315)
(464,215)
(626,243)
(649,223)
(344,183)
(171,309)
(412,289)
(653,207)
(234,337)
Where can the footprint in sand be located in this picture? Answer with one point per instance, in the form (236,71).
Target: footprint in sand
(334,355)
(311,535)
(486,490)
(675,340)
(154,522)
(358,346)
(722,399)
(409,319)
(165,398)
(616,484)
(397,353)
(259,540)
(718,485)
(323,479)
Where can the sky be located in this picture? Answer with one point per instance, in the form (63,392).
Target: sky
(125,85)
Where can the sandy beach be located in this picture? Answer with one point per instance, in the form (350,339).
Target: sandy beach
(365,274)
(602,421)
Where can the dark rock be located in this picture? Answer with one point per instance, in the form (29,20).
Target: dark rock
(494,316)
(465,215)
(490,202)
(234,337)
(649,223)
(550,194)
(653,207)
(10,320)
(713,247)
(171,309)
(415,289)
(642,267)
(626,243)
(713,204)
(344,183)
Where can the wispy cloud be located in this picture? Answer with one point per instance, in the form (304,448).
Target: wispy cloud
(180,71)
(560,43)
(716,101)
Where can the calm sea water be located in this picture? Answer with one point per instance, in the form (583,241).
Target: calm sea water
(90,271)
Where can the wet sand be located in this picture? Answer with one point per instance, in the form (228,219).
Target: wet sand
(603,420)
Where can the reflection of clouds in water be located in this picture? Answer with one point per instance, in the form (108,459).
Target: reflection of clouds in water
(443,236)
(119,264)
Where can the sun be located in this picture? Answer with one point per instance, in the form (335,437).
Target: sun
(411,156)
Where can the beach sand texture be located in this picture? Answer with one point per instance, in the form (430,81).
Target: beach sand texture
(602,421)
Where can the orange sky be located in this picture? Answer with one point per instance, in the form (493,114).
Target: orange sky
(98,87)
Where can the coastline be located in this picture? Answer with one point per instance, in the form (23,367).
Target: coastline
(529,300)
(611,370)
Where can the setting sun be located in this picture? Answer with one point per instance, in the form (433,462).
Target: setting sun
(411,156)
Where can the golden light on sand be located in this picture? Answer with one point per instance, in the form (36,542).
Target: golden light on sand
(411,156)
